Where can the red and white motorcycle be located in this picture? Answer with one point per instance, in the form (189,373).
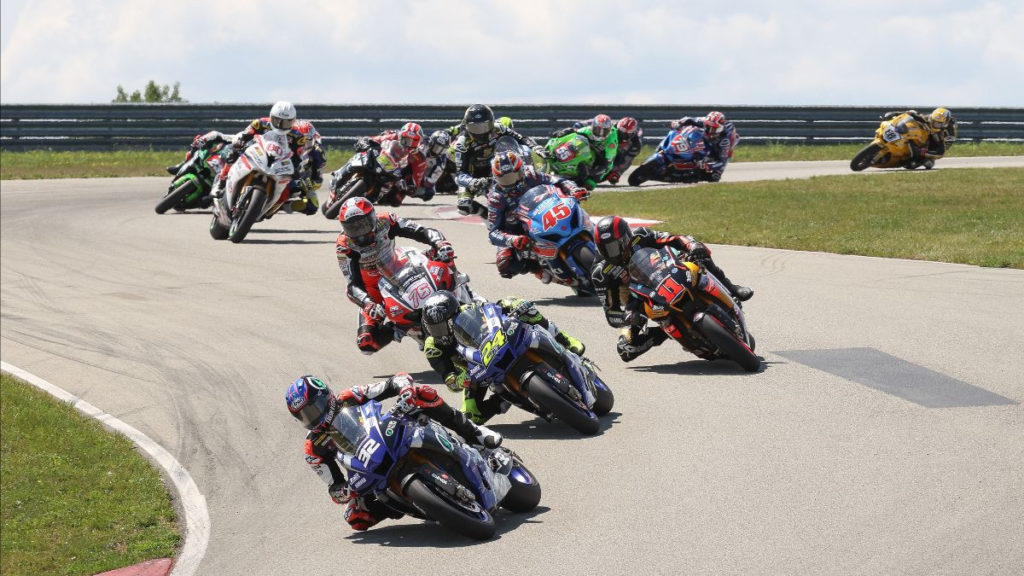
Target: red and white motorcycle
(256,187)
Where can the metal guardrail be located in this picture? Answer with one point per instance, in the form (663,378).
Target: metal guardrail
(172,126)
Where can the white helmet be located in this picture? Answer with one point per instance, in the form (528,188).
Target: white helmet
(282,116)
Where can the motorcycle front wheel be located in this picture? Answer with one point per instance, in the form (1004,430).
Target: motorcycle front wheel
(864,158)
(641,174)
(541,391)
(217,230)
(175,196)
(355,187)
(251,207)
(525,492)
(728,344)
(478,524)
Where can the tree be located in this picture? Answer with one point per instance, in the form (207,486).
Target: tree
(153,93)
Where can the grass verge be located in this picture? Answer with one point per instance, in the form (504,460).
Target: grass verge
(969,216)
(77,499)
(46,164)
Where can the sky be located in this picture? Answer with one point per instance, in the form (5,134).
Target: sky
(741,52)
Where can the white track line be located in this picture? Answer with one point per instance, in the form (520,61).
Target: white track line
(197,518)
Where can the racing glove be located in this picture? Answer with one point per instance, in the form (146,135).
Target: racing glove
(613,177)
(698,251)
(374,311)
(541,151)
(520,243)
(339,492)
(444,252)
(457,381)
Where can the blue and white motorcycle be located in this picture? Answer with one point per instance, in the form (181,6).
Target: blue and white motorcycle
(562,237)
(679,158)
(417,467)
(526,366)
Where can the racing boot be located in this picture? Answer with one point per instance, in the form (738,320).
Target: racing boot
(464,203)
(741,293)
(633,344)
(474,433)
(572,344)
(470,408)
(173,170)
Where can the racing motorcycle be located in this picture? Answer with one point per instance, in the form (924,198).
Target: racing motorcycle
(416,467)
(526,366)
(407,278)
(191,186)
(377,173)
(257,187)
(680,157)
(570,156)
(692,306)
(891,146)
(560,234)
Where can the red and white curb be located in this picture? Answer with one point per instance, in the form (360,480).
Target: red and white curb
(197,517)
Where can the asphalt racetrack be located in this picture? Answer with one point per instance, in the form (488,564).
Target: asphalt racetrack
(883,435)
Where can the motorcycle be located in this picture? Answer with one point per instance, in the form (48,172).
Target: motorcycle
(377,173)
(191,186)
(416,467)
(680,157)
(526,366)
(570,156)
(692,306)
(891,146)
(257,187)
(407,278)
(561,236)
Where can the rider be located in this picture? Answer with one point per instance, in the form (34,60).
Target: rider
(942,129)
(198,143)
(282,122)
(630,141)
(721,138)
(616,241)
(408,138)
(314,156)
(439,311)
(474,148)
(366,238)
(439,175)
(311,402)
(511,178)
(602,139)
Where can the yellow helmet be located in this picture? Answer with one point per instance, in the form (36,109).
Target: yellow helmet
(939,119)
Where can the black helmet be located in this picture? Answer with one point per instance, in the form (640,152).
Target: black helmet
(479,122)
(311,402)
(438,143)
(438,311)
(613,236)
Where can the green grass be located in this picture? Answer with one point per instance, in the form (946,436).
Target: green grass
(970,216)
(39,164)
(75,499)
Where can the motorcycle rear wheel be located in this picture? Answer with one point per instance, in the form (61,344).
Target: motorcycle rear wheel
(728,344)
(253,207)
(448,514)
(217,230)
(175,196)
(540,390)
(864,158)
(641,174)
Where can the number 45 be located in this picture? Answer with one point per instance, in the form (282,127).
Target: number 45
(551,217)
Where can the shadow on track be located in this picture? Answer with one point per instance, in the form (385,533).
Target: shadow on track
(699,367)
(540,429)
(423,534)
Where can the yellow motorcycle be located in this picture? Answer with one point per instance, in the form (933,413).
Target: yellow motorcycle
(891,146)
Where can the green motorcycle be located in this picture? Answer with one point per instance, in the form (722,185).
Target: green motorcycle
(571,156)
(191,186)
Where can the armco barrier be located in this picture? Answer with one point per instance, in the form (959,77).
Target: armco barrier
(172,126)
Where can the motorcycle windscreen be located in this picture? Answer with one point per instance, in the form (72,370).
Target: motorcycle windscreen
(649,267)
(470,326)
(347,429)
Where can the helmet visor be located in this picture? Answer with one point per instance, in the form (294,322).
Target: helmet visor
(601,131)
(613,250)
(357,228)
(438,330)
(510,179)
(408,141)
(479,130)
(312,414)
(437,149)
(283,124)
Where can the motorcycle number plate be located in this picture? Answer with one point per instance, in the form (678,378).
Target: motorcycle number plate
(890,134)
(564,153)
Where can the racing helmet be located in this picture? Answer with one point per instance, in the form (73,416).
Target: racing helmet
(410,135)
(311,402)
(479,122)
(359,221)
(714,123)
(627,125)
(438,142)
(282,117)
(939,119)
(602,126)
(507,170)
(613,237)
(507,122)
(439,309)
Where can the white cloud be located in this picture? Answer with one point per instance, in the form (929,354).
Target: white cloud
(573,51)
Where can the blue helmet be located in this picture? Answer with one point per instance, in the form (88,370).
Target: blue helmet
(311,402)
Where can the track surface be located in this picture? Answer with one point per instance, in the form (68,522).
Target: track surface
(902,456)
